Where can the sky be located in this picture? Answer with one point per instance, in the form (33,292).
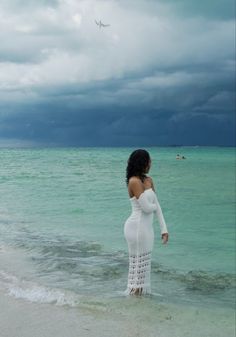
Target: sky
(162,73)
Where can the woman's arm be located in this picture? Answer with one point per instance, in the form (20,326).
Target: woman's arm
(161,219)
(145,204)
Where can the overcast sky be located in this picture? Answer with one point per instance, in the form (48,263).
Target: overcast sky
(162,73)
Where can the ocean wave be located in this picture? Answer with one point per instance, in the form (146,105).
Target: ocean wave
(85,259)
(36,293)
(208,282)
(75,249)
(72,264)
(42,295)
(199,280)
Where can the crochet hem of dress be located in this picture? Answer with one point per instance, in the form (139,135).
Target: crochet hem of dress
(145,291)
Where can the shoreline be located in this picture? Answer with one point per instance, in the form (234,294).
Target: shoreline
(26,319)
(22,318)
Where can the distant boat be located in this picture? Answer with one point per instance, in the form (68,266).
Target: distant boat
(100,24)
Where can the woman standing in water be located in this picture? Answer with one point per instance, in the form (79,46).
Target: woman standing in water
(138,227)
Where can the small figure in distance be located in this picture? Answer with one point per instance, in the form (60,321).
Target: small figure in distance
(180,157)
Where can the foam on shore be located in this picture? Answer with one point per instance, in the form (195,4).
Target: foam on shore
(120,317)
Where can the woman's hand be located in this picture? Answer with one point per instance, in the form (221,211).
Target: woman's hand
(165,237)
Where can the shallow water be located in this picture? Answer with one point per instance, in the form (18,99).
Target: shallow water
(61,222)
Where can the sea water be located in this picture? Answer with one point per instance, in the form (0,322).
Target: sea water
(62,212)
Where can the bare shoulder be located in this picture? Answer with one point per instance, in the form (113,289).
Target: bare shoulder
(135,187)
(135,182)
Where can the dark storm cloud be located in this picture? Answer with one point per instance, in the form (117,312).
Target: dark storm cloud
(62,122)
(168,80)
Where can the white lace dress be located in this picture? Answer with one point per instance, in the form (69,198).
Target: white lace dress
(139,234)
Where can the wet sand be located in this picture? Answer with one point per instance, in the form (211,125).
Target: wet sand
(20,318)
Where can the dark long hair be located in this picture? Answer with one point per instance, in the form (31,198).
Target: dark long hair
(137,164)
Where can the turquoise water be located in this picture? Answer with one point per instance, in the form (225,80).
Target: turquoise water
(62,213)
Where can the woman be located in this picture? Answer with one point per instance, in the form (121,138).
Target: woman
(138,227)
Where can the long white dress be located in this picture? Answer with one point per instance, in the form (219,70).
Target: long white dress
(139,234)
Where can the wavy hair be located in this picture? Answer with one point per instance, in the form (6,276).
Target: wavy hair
(137,164)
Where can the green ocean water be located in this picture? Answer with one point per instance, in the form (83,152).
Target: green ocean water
(62,212)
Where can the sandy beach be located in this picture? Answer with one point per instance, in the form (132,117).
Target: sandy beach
(20,318)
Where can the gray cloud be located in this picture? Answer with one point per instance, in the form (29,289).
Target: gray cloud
(21,5)
(160,68)
(220,9)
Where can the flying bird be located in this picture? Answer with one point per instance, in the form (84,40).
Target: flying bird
(100,24)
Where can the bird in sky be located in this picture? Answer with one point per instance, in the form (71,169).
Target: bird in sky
(100,24)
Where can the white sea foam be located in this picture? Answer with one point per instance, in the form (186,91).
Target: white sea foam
(42,295)
(5,278)
(36,293)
